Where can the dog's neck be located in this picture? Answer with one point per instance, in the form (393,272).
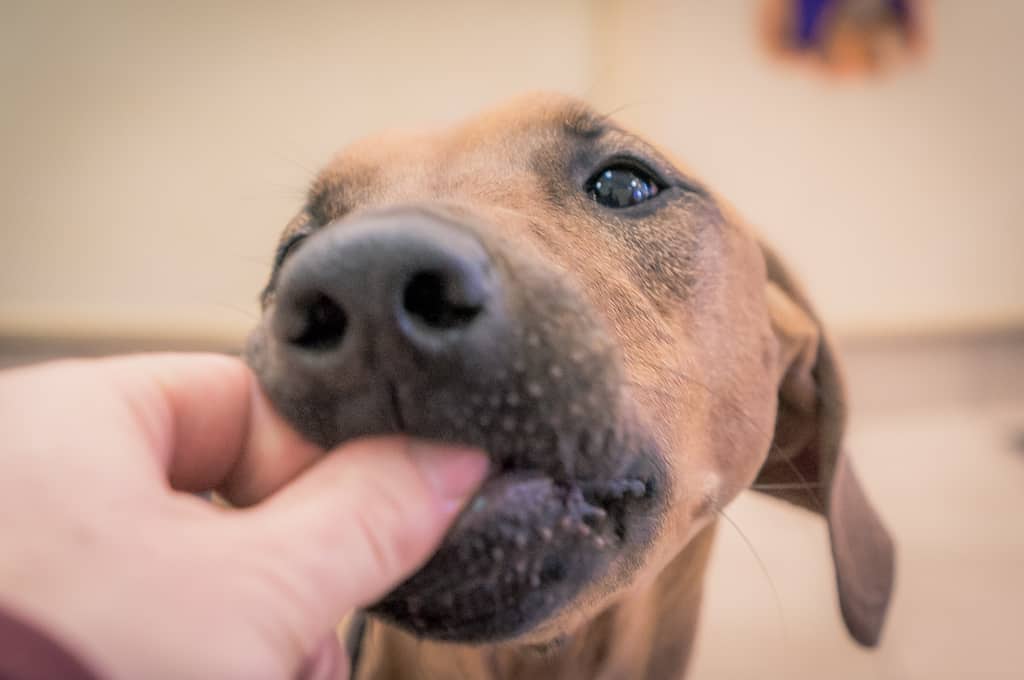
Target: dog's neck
(647,633)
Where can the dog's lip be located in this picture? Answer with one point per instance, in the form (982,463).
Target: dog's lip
(589,506)
(597,492)
(521,548)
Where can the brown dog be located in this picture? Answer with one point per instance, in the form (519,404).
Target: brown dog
(547,286)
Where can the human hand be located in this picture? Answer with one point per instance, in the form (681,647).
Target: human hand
(104,548)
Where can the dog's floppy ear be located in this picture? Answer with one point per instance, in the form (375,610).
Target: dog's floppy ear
(807,466)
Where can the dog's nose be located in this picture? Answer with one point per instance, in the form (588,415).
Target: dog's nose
(385,286)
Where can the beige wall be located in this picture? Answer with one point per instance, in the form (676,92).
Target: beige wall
(901,202)
(151,155)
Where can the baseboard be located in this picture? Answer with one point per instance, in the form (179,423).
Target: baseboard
(885,373)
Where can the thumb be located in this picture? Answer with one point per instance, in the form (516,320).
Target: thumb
(354,525)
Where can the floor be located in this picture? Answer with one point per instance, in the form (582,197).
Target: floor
(937,433)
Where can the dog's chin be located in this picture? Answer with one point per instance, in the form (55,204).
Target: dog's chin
(522,550)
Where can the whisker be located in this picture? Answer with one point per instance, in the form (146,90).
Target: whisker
(809,487)
(419,653)
(675,372)
(652,389)
(764,570)
(460,666)
(804,484)
(493,663)
(513,211)
(247,313)
(793,486)
(685,376)
(605,116)
(309,172)
(261,259)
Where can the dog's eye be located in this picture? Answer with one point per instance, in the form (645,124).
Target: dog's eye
(288,247)
(621,186)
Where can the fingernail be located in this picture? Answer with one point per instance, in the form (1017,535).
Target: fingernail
(453,472)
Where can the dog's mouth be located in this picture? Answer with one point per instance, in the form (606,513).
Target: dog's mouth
(523,547)
(535,534)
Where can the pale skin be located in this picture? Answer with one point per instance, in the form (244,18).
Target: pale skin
(105,547)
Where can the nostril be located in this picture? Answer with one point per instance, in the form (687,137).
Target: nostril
(437,301)
(323,326)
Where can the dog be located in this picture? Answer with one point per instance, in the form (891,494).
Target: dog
(543,284)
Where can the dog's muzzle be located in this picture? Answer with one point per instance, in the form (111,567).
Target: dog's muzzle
(403,322)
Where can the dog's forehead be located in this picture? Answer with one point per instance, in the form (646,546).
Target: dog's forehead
(504,140)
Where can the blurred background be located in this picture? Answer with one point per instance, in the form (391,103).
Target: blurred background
(152,152)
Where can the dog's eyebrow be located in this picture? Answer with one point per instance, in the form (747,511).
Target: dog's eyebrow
(585,124)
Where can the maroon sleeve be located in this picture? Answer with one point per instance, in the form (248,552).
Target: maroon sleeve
(27,653)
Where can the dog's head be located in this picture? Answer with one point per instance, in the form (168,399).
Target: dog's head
(542,284)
